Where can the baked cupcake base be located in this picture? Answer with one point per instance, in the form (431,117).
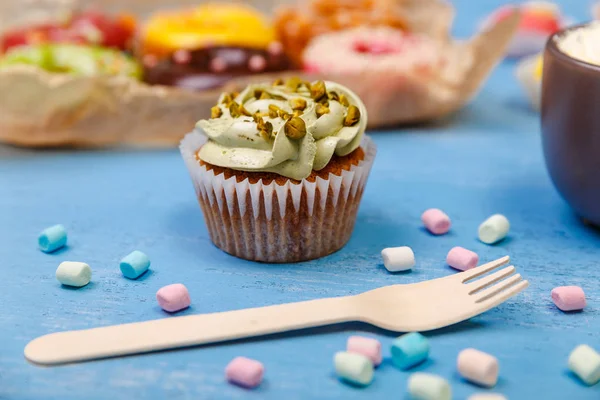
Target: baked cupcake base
(279,220)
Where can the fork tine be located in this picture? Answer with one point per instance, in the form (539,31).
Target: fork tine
(486,281)
(497,288)
(493,301)
(485,268)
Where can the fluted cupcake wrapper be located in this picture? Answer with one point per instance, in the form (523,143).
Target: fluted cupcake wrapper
(278,223)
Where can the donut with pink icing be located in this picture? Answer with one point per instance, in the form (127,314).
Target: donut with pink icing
(372,50)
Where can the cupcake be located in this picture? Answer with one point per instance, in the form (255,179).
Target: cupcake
(279,169)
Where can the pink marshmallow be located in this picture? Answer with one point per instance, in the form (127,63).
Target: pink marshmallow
(370,348)
(173,298)
(436,221)
(569,298)
(462,259)
(478,367)
(245,372)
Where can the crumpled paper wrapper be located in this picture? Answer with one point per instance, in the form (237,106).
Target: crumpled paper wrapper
(40,109)
(424,97)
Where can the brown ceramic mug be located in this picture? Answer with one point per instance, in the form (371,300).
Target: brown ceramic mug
(571,128)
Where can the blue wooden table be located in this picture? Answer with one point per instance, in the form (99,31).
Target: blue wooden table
(485,160)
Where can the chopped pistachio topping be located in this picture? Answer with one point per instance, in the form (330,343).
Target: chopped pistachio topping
(234,110)
(298,104)
(318,91)
(308,140)
(273,111)
(293,83)
(227,99)
(352,117)
(333,96)
(284,115)
(215,112)
(295,128)
(321,110)
(266,130)
(269,127)
(245,112)
(344,101)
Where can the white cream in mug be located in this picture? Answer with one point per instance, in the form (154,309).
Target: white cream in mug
(582,43)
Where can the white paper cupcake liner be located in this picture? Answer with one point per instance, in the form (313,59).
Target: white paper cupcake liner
(278,223)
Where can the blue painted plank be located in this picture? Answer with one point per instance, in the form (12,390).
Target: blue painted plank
(485,160)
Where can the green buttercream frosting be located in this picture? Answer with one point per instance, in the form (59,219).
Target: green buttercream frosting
(236,141)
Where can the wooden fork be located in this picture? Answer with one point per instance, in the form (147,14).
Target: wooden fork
(402,308)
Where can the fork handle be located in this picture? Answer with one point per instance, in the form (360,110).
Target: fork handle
(177,332)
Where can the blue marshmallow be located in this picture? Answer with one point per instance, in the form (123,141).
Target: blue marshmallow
(52,239)
(134,265)
(409,350)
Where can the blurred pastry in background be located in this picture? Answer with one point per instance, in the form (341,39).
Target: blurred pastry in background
(91,27)
(539,20)
(297,25)
(380,50)
(397,55)
(529,73)
(73,59)
(596,11)
(212,67)
(205,47)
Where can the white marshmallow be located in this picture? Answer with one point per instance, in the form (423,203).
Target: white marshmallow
(585,363)
(478,367)
(424,386)
(398,258)
(494,229)
(353,367)
(72,273)
(487,396)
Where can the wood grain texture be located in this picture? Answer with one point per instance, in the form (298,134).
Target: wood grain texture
(486,160)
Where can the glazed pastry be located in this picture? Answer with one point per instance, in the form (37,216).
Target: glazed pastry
(382,50)
(280,169)
(209,25)
(539,20)
(205,47)
(213,67)
(91,28)
(73,59)
(297,25)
